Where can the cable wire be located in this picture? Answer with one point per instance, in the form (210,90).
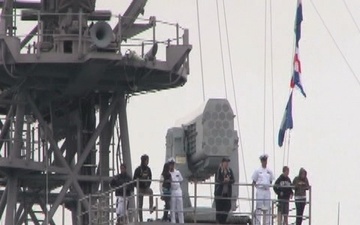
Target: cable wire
(235,99)
(288,154)
(351,15)
(335,43)
(272,85)
(221,47)
(200,49)
(265,63)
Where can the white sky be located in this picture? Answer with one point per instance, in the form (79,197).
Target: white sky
(325,135)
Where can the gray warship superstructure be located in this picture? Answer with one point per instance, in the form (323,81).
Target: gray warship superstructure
(63,93)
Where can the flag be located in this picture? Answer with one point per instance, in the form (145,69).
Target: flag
(287,121)
(298,20)
(296,79)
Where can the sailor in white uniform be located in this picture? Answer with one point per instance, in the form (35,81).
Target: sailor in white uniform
(262,179)
(176,205)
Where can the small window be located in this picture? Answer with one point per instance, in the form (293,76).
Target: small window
(68,46)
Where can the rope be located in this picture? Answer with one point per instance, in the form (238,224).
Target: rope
(284,152)
(265,62)
(235,101)
(200,49)
(288,155)
(272,85)
(221,48)
(335,43)
(351,15)
(287,147)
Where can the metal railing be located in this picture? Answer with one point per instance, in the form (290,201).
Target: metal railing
(31,42)
(103,207)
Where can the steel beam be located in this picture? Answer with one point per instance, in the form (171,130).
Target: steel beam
(34,217)
(5,128)
(43,207)
(6,17)
(19,212)
(58,153)
(105,139)
(11,184)
(103,121)
(3,201)
(124,134)
(19,124)
(135,8)
(23,217)
(85,153)
(48,133)
(29,36)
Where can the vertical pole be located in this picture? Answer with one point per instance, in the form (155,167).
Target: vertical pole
(119,38)
(253,218)
(112,206)
(310,203)
(124,131)
(20,111)
(80,34)
(157,207)
(28,138)
(38,35)
(272,212)
(90,210)
(33,144)
(63,214)
(12,182)
(79,212)
(39,143)
(154,30)
(105,139)
(137,201)
(177,34)
(264,216)
(338,219)
(125,203)
(186,42)
(142,50)
(195,201)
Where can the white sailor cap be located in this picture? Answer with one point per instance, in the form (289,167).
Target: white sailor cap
(171,160)
(263,157)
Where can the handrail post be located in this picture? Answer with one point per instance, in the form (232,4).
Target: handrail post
(111,207)
(253,204)
(153,21)
(157,208)
(38,35)
(272,211)
(79,212)
(310,205)
(177,34)
(90,208)
(125,205)
(137,201)
(80,34)
(195,201)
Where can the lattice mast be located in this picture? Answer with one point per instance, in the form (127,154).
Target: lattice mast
(64,88)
